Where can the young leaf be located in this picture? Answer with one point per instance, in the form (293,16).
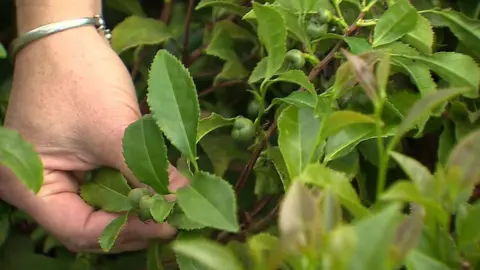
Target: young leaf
(173,101)
(465,158)
(274,39)
(208,253)
(298,133)
(108,190)
(421,37)
(154,260)
(397,21)
(230,5)
(160,208)
(341,119)
(363,71)
(111,232)
(418,173)
(136,30)
(209,200)
(21,158)
(466,29)
(145,153)
(298,77)
(375,235)
(425,105)
(324,177)
(407,236)
(211,123)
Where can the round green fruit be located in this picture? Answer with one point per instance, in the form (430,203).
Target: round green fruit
(135,195)
(145,202)
(144,214)
(253,108)
(295,58)
(324,16)
(316,30)
(243,129)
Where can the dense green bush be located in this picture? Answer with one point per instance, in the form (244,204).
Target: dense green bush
(318,134)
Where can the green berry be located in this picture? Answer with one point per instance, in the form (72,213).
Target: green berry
(135,195)
(316,30)
(243,129)
(295,58)
(144,214)
(324,16)
(145,202)
(253,108)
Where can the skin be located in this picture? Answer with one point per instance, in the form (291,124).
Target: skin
(72,98)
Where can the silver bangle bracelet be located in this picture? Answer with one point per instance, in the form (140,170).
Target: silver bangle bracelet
(20,42)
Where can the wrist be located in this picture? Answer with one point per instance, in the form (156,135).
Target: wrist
(33,13)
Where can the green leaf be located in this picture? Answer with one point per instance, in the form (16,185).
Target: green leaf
(232,70)
(296,98)
(235,31)
(375,235)
(260,71)
(221,45)
(178,219)
(464,157)
(154,260)
(324,177)
(231,5)
(419,73)
(358,45)
(145,153)
(108,190)
(160,208)
(3,52)
(294,26)
(344,141)
(305,5)
(397,21)
(130,7)
(467,226)
(418,173)
(421,37)
(136,30)
(424,106)
(298,129)
(341,119)
(275,155)
(466,29)
(172,97)
(211,123)
(452,67)
(221,149)
(274,39)
(209,200)
(20,156)
(208,253)
(111,232)
(298,77)
(417,260)
(445,143)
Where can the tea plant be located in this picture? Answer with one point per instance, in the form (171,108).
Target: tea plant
(329,135)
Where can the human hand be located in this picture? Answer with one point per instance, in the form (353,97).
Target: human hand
(72,98)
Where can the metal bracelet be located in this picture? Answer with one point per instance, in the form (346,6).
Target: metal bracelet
(20,42)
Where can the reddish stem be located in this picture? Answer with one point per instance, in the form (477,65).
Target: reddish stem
(186,40)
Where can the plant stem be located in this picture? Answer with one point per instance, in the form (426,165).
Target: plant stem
(186,32)
(340,15)
(382,156)
(364,23)
(369,6)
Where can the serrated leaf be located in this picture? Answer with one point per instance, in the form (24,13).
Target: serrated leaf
(397,21)
(464,157)
(231,5)
(211,123)
(344,141)
(221,150)
(466,29)
(298,129)
(231,70)
(235,31)
(3,52)
(136,30)
(108,190)
(211,201)
(375,234)
(111,232)
(20,156)
(154,260)
(326,178)
(145,153)
(210,254)
(298,77)
(178,219)
(418,173)
(260,71)
(358,45)
(274,39)
(364,75)
(424,106)
(160,208)
(172,97)
(421,37)
(452,67)
(276,156)
(293,25)
(341,119)
(296,98)
(221,45)
(419,73)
